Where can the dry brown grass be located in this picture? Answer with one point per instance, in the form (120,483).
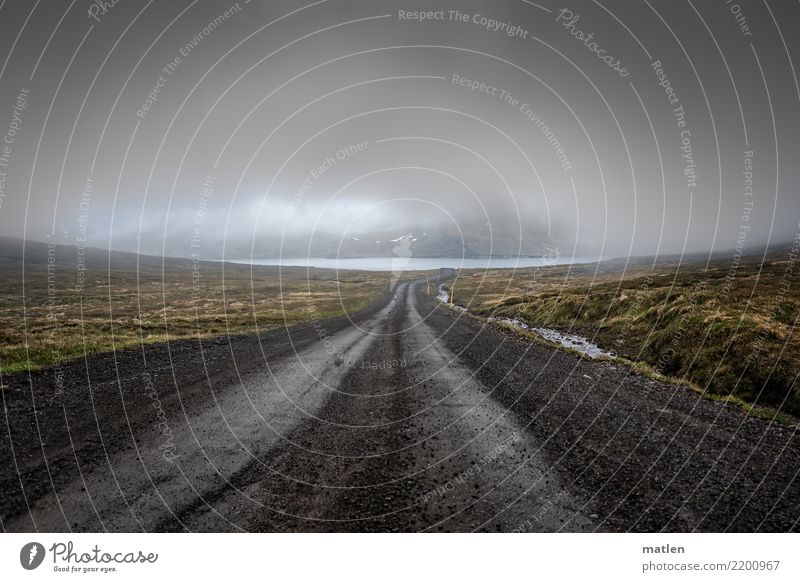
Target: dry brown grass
(150,302)
(728,328)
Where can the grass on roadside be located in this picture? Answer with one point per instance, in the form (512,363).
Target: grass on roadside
(133,304)
(727,328)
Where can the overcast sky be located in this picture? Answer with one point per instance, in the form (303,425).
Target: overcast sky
(224,122)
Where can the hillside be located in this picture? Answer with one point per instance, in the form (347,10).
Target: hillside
(728,328)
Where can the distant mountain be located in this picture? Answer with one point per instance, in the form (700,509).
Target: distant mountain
(419,243)
(423,245)
(65,256)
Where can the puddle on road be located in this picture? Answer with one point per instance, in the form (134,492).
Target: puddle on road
(568,340)
(444,297)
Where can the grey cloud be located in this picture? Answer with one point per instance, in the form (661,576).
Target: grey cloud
(438,154)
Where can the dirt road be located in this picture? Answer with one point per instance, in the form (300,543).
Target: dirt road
(404,417)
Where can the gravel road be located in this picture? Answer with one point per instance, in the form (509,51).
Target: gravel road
(407,416)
